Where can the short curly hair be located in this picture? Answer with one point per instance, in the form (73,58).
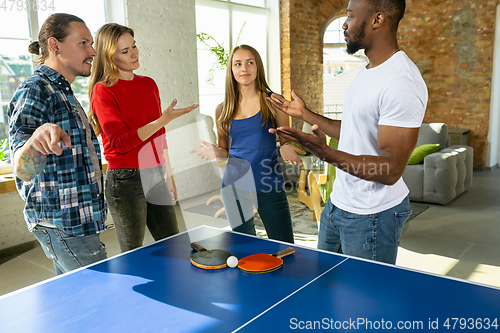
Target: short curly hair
(393,9)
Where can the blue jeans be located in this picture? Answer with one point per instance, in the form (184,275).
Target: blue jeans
(69,252)
(372,236)
(272,207)
(138,198)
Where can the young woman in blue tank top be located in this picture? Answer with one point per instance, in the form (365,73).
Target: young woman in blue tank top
(253,176)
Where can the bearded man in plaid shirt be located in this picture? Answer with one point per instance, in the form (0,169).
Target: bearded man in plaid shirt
(56,154)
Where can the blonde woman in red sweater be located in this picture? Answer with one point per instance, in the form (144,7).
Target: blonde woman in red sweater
(126,112)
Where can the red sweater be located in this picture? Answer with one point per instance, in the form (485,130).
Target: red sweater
(121,110)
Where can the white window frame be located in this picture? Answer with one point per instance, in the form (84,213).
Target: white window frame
(333,45)
(271,10)
(32,17)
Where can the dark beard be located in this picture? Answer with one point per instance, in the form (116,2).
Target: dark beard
(84,74)
(353,48)
(354,43)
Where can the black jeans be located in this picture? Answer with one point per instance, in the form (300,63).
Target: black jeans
(136,198)
(272,207)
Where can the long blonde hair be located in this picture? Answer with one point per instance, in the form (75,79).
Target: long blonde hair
(232,93)
(104,69)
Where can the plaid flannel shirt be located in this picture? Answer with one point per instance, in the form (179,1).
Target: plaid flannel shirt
(66,193)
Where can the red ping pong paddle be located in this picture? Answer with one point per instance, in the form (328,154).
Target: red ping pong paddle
(263,263)
(208,259)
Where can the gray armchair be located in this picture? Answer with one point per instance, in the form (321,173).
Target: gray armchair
(444,175)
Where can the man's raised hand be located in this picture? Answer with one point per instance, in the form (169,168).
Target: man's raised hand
(46,139)
(314,142)
(295,108)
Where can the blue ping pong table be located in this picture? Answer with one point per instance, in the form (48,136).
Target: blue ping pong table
(156,289)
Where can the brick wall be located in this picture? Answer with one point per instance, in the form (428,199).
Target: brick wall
(165,31)
(302,53)
(450,41)
(452,44)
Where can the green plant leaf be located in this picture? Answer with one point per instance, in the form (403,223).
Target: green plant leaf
(218,50)
(4,150)
(298,146)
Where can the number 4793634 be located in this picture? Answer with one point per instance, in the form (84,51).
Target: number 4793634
(27,5)
(471,323)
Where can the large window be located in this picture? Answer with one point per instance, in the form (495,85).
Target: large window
(230,23)
(15,61)
(339,68)
(19,26)
(335,57)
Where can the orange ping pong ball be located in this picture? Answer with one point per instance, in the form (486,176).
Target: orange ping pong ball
(232,261)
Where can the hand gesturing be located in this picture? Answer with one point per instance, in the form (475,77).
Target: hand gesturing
(295,108)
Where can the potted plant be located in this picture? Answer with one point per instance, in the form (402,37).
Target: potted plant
(219,51)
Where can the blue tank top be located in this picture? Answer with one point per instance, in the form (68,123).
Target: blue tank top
(253,149)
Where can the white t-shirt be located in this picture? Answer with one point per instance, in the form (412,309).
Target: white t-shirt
(391,94)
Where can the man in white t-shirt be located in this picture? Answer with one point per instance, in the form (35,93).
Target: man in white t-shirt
(383,110)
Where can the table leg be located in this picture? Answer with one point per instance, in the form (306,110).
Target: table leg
(313,199)
(301,188)
(315,195)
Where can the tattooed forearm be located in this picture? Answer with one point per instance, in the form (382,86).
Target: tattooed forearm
(30,163)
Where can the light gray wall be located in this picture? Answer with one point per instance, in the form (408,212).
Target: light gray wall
(13,229)
(165,31)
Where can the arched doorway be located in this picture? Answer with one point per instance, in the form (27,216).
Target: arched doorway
(339,68)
